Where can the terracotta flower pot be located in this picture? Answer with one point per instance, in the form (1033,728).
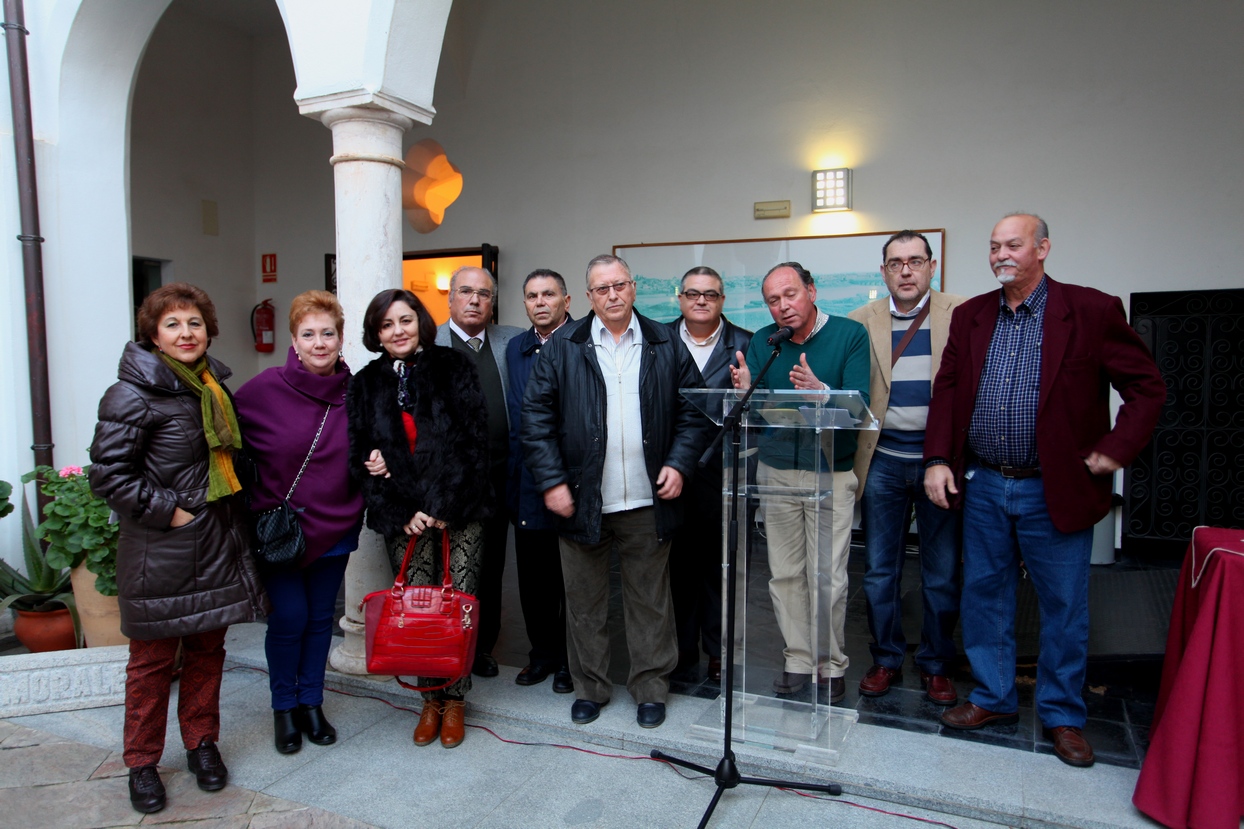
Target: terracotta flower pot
(99,614)
(45,630)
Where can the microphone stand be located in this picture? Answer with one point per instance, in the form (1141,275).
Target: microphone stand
(726,775)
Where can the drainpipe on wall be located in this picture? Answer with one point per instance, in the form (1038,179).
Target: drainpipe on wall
(15,33)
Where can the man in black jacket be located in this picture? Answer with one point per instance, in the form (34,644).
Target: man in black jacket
(695,559)
(609,442)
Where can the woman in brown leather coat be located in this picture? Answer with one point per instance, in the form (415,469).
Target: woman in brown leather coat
(163,460)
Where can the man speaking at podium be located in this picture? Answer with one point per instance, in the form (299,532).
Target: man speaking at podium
(824,352)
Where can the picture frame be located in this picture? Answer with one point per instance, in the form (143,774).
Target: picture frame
(845,267)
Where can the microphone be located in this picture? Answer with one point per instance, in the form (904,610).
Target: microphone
(781,335)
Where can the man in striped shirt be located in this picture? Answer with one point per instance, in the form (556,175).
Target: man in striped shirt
(907,331)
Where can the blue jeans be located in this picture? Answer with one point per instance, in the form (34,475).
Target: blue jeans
(892,486)
(300,629)
(1004,518)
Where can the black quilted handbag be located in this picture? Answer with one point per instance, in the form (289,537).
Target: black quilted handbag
(278,535)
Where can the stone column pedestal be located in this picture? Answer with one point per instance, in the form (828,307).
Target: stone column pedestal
(367,174)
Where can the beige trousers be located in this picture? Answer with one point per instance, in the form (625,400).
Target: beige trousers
(808,545)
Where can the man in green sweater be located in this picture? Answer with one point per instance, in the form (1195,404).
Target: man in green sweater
(808,541)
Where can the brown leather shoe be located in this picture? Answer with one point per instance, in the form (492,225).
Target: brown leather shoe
(1070,746)
(876,683)
(789,683)
(453,729)
(832,689)
(714,669)
(938,689)
(969,717)
(429,721)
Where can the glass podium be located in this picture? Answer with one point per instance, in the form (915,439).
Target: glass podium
(784,566)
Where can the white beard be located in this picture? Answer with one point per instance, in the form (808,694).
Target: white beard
(1004,278)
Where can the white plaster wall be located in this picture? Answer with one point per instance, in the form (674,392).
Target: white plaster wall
(293,188)
(579,126)
(191,139)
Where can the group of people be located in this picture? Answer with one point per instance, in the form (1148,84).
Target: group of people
(996,428)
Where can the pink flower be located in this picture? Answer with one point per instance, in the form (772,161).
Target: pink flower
(70,471)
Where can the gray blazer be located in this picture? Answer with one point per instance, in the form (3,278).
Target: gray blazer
(497,337)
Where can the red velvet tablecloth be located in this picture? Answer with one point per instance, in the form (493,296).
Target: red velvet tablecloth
(1193,774)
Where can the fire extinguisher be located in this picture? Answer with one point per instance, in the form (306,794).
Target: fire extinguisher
(263,326)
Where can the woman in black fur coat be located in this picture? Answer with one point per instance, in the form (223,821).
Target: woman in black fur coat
(417,411)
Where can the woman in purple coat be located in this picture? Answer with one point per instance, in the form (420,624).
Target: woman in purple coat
(283,409)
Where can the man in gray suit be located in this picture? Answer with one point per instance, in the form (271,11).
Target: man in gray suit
(472,298)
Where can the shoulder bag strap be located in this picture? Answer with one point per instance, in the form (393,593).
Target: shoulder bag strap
(310,452)
(911,333)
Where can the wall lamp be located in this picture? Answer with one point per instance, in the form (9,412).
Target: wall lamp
(831,190)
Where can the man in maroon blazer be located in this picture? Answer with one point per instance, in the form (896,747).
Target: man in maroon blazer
(1019,436)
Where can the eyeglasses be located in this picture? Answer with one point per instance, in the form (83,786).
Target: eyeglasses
(466,293)
(711,296)
(914,262)
(602,291)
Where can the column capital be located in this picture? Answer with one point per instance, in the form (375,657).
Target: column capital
(373,114)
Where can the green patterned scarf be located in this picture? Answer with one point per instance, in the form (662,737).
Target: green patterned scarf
(220,425)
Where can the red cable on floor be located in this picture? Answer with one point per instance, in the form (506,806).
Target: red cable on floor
(670,766)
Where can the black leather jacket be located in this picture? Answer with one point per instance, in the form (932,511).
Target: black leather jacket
(564,422)
(150,456)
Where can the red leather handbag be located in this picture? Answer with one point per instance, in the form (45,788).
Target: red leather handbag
(426,630)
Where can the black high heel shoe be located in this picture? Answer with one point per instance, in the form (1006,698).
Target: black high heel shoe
(310,720)
(288,737)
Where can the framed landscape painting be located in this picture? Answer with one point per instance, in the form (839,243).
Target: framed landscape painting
(847,270)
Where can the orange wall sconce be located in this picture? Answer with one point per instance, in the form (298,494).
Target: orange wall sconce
(430,183)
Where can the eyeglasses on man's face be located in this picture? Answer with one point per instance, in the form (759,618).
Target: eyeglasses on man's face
(466,293)
(602,291)
(694,295)
(913,262)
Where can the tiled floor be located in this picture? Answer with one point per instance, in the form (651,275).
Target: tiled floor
(1120,696)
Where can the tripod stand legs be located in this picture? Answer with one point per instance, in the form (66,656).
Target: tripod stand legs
(727,776)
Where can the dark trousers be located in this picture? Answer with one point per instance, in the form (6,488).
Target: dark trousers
(542,594)
(647,609)
(300,630)
(492,568)
(695,572)
(148,677)
(892,487)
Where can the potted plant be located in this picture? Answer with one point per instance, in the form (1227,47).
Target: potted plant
(80,537)
(47,617)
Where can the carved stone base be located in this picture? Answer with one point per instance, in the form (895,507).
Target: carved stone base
(42,683)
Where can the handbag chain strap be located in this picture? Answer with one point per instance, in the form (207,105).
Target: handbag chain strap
(310,452)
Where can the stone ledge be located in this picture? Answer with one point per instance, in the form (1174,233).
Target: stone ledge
(45,683)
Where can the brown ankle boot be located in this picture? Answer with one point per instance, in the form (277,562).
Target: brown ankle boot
(453,729)
(429,722)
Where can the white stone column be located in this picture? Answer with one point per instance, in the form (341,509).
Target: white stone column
(367,174)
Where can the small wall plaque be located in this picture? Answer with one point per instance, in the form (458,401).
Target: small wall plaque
(771,209)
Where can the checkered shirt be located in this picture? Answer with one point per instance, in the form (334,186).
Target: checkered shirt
(1003,430)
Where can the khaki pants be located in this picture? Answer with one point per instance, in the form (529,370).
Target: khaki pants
(647,608)
(808,546)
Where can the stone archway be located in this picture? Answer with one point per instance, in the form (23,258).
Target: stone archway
(382,62)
